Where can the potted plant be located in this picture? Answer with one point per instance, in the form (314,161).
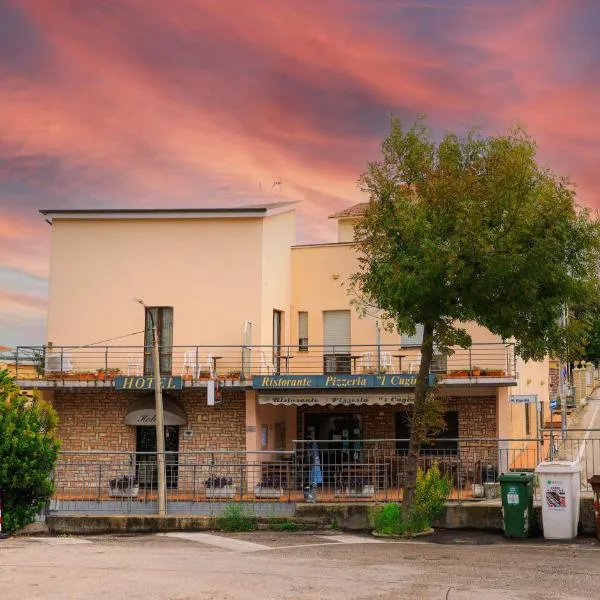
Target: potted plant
(475,371)
(219,487)
(270,486)
(124,486)
(358,486)
(458,374)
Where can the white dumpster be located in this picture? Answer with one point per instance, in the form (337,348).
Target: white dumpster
(559,484)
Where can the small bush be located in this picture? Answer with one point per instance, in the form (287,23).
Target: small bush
(214,481)
(234,518)
(389,519)
(285,526)
(431,492)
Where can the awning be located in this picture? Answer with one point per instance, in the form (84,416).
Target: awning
(143,412)
(337,399)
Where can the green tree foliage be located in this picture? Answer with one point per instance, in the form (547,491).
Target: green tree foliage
(472,229)
(28,451)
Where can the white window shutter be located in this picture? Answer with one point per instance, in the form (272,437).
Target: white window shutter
(406,341)
(336,331)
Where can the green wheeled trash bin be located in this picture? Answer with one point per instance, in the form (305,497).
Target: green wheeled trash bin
(517,504)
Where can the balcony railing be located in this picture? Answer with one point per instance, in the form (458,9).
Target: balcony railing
(194,363)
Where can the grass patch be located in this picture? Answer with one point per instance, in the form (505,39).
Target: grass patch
(234,518)
(285,526)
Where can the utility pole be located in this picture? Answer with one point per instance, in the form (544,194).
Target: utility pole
(160,428)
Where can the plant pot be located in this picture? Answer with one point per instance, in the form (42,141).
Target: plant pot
(476,372)
(125,492)
(491,490)
(367,491)
(227,491)
(477,490)
(267,492)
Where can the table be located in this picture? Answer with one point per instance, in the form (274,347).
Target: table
(354,358)
(399,357)
(284,357)
(214,362)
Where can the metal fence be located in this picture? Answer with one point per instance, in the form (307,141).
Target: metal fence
(270,483)
(242,362)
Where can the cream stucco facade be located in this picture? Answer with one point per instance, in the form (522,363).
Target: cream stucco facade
(225,272)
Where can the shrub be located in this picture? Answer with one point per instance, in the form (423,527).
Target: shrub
(234,518)
(28,451)
(431,492)
(389,519)
(285,526)
(218,482)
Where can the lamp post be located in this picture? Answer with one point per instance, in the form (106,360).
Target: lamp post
(160,428)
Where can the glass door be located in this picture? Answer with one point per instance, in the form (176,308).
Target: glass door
(146,471)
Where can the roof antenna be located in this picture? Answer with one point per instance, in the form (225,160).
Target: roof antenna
(276,187)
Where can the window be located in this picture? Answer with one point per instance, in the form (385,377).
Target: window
(277,328)
(162,317)
(407,341)
(303,331)
(434,447)
(336,335)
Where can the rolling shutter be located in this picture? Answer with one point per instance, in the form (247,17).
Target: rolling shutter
(336,331)
(406,341)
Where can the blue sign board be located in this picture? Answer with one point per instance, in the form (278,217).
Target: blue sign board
(335,381)
(553,403)
(127,382)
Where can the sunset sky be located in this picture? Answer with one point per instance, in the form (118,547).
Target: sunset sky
(156,103)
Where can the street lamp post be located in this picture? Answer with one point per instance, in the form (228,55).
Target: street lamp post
(160,428)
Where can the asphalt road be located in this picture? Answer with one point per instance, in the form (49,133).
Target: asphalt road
(265,565)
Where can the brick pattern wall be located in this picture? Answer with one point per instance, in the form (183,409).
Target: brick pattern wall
(92,420)
(477,418)
(95,420)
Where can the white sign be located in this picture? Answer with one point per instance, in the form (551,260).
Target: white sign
(147,416)
(336,399)
(524,399)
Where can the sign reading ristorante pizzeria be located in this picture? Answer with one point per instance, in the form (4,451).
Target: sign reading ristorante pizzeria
(337,399)
(125,382)
(299,382)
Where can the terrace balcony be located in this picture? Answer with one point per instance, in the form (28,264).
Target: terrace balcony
(491,364)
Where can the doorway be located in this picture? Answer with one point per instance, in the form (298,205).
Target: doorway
(146,471)
(339,436)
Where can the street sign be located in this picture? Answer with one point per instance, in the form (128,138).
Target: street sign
(553,403)
(524,398)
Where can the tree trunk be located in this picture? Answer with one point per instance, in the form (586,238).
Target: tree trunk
(416,425)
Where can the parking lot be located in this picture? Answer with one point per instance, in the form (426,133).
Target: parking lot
(186,566)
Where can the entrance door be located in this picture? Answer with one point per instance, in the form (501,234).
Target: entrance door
(146,470)
(340,439)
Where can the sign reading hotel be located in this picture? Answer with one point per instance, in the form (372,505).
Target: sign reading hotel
(299,382)
(147,383)
(336,400)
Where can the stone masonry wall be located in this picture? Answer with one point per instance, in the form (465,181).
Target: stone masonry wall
(95,420)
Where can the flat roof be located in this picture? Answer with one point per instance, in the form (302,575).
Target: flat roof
(256,210)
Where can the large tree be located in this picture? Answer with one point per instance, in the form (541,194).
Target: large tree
(471,228)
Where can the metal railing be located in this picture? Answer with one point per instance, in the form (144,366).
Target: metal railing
(242,362)
(271,482)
